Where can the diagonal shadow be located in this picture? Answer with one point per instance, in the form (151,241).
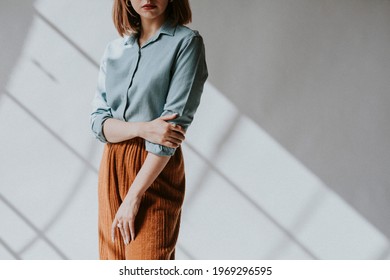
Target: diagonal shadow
(9,249)
(73,192)
(66,38)
(205,170)
(87,166)
(48,129)
(185,252)
(33,227)
(385,254)
(12,37)
(44,71)
(306,211)
(253,203)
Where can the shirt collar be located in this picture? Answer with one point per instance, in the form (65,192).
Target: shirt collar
(167,28)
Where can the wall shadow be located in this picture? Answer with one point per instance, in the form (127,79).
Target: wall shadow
(313,74)
(15,20)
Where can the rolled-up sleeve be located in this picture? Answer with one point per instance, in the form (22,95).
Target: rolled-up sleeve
(101,111)
(189,74)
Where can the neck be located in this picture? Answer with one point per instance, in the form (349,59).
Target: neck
(150,27)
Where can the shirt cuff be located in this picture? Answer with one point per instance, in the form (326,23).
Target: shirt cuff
(97,127)
(159,150)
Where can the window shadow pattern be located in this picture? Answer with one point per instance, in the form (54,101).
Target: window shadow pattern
(40,232)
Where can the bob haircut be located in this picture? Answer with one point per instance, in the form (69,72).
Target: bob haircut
(126,20)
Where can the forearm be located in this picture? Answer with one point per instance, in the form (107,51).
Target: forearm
(151,168)
(117,131)
(125,216)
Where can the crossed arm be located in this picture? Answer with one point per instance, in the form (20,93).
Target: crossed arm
(157,131)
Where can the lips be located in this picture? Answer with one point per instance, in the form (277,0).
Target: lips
(148,6)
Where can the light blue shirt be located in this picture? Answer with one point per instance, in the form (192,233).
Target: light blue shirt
(165,76)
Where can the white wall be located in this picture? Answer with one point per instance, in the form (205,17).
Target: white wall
(286,158)
(314,75)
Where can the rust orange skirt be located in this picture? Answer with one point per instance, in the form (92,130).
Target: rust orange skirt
(158,219)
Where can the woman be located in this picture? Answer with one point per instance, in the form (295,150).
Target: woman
(150,84)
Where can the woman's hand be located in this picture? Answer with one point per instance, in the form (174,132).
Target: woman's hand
(127,212)
(125,217)
(160,131)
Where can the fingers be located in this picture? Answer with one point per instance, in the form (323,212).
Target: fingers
(176,137)
(124,230)
(173,126)
(126,233)
(176,134)
(169,117)
(132,231)
(124,219)
(173,142)
(178,129)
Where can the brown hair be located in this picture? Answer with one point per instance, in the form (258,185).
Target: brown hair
(126,20)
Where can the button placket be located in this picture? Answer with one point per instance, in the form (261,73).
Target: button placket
(133,72)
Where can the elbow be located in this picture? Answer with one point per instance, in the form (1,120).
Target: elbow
(96,123)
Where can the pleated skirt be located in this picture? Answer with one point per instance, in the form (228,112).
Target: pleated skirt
(158,220)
